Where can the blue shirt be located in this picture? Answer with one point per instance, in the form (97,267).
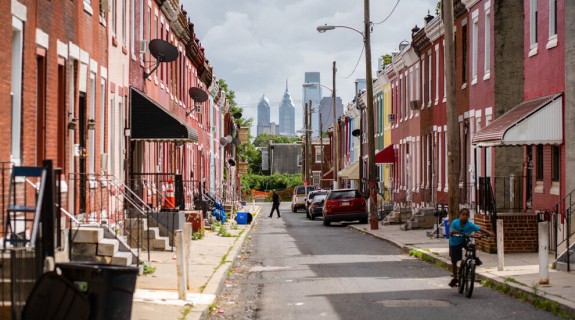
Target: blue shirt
(468,229)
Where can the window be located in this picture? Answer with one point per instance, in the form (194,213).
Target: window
(474,48)
(552,24)
(464,54)
(102,115)
(113,16)
(299,160)
(124,22)
(533,17)
(316,178)
(556,158)
(429,75)
(61,156)
(132,26)
(436,73)
(487,46)
(318,155)
(539,159)
(16,91)
(112,135)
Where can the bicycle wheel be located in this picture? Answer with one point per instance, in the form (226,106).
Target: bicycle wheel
(470,279)
(462,276)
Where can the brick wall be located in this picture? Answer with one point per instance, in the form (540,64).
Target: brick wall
(519,232)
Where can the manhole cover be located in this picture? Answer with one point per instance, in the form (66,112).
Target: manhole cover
(415,303)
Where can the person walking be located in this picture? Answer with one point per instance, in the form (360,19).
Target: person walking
(275,204)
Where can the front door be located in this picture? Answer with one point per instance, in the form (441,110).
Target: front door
(83,126)
(529,170)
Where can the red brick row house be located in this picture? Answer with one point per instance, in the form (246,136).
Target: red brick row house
(510,111)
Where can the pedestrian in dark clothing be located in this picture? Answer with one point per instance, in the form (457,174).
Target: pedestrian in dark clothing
(275,204)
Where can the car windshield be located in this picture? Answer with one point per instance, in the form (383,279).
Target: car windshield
(319,198)
(302,189)
(347,194)
(312,195)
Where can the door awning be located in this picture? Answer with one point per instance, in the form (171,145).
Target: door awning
(535,121)
(328,175)
(151,122)
(387,155)
(351,172)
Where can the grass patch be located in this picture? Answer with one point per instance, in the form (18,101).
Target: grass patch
(513,280)
(223,232)
(197,235)
(213,306)
(534,298)
(426,249)
(186,311)
(422,256)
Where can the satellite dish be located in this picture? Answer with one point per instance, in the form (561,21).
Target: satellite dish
(223,141)
(198,94)
(231,162)
(229,138)
(163,51)
(356,132)
(237,115)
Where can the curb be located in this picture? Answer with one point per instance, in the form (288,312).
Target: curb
(498,284)
(218,278)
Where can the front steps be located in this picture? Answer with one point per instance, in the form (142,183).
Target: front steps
(424,218)
(89,244)
(157,242)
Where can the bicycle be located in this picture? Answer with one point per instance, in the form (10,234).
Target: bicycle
(468,264)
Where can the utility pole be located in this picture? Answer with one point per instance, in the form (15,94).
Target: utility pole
(321,146)
(335,138)
(452,123)
(360,159)
(306,125)
(308,173)
(370,120)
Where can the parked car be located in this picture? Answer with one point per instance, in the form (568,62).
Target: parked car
(299,196)
(310,197)
(344,205)
(316,207)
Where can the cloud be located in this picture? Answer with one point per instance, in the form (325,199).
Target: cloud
(255,45)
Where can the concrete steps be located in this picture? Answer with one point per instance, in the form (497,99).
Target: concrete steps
(153,234)
(90,245)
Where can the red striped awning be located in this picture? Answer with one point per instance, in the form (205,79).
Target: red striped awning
(535,121)
(387,155)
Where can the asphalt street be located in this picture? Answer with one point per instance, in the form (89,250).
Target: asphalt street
(308,271)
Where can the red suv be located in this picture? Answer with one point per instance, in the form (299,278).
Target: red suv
(344,205)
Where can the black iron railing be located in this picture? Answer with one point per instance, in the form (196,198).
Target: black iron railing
(562,228)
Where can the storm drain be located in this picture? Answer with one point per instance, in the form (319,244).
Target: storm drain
(414,303)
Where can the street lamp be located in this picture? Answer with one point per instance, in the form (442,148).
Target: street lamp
(370,121)
(335,142)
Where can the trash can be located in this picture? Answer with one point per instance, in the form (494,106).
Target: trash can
(446,227)
(242,217)
(109,288)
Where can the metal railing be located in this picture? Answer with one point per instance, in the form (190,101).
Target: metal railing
(563,228)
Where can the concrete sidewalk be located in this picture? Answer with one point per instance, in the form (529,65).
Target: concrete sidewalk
(156,295)
(520,276)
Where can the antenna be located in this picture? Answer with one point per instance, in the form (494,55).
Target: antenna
(163,51)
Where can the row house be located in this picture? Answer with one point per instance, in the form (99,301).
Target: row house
(512,161)
(86,90)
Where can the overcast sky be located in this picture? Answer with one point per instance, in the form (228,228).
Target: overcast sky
(255,45)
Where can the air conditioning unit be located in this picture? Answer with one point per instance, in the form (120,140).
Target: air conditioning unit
(414,104)
(144,46)
(391,117)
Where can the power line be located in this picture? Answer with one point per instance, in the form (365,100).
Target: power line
(356,64)
(389,15)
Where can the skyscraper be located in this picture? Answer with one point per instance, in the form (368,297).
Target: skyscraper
(263,114)
(312,93)
(287,114)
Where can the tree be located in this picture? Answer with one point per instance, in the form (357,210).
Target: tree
(231,99)
(263,138)
(387,58)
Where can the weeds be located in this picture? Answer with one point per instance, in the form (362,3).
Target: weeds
(223,232)
(148,269)
(513,280)
(197,235)
(186,311)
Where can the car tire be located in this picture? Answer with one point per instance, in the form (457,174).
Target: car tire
(312,216)
(293,209)
(363,220)
(307,215)
(326,222)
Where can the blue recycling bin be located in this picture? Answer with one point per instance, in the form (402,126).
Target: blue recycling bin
(242,217)
(446,226)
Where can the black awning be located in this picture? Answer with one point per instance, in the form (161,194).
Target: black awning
(151,122)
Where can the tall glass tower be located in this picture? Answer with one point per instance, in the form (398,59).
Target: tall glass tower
(312,93)
(287,114)
(263,114)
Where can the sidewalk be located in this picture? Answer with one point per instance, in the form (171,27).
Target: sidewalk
(520,276)
(156,295)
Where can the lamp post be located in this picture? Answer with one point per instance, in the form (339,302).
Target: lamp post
(335,140)
(370,121)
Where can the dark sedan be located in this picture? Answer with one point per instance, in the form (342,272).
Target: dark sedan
(316,207)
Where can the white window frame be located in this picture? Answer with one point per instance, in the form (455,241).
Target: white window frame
(133,28)
(430,78)
(17,44)
(474,46)
(111,134)
(113,16)
(487,43)
(318,154)
(436,85)
(444,76)
(124,5)
(533,27)
(102,115)
(552,42)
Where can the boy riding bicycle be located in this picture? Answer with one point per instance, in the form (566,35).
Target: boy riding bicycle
(456,243)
